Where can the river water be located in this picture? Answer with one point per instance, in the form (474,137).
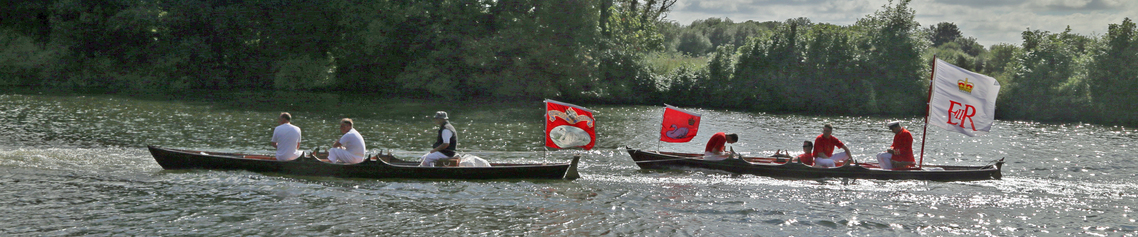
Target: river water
(76,164)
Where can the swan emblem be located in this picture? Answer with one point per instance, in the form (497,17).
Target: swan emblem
(677,133)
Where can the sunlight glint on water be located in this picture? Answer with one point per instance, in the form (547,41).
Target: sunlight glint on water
(76,164)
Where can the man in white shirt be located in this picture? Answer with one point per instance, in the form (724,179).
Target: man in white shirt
(350,148)
(286,138)
(445,142)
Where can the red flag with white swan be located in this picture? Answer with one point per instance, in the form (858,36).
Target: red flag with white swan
(568,125)
(679,125)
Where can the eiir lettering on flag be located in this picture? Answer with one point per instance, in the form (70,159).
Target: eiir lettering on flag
(679,125)
(569,125)
(962,101)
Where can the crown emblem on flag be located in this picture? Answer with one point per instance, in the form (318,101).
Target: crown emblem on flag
(570,116)
(964,85)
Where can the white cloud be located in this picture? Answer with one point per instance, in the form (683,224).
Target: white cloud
(1062,3)
(989,21)
(724,6)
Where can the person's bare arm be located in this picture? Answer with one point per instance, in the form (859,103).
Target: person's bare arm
(849,154)
(440,147)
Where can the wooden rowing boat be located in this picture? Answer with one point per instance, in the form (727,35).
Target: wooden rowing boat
(782,167)
(384,167)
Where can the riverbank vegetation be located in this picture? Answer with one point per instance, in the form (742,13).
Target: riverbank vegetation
(586,51)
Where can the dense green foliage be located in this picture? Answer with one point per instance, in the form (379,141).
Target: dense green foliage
(706,36)
(943,33)
(872,67)
(447,49)
(608,51)
(881,65)
(1112,76)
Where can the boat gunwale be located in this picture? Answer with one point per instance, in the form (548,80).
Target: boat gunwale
(682,156)
(669,160)
(366,162)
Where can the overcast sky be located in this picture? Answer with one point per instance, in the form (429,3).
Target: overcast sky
(989,21)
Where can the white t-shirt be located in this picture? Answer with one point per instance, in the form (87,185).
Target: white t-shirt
(287,137)
(353,142)
(446,136)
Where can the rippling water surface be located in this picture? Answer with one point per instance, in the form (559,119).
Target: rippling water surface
(75,164)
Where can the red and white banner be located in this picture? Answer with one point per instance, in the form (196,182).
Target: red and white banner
(962,101)
(679,125)
(568,125)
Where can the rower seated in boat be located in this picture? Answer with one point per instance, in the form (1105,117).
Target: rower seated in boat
(716,146)
(824,149)
(900,153)
(286,138)
(807,156)
(350,148)
(446,141)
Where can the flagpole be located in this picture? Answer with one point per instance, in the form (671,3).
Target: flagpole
(545,128)
(661,128)
(928,107)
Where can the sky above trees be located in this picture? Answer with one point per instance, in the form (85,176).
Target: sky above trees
(990,21)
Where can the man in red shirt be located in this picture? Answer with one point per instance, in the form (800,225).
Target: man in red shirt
(824,149)
(807,156)
(716,146)
(900,153)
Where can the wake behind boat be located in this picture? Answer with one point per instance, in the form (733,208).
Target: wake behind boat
(781,167)
(171,159)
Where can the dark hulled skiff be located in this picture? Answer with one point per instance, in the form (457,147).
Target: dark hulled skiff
(781,167)
(383,168)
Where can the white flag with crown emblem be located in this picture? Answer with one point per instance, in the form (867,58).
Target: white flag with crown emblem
(962,101)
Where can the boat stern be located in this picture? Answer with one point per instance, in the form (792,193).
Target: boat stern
(571,172)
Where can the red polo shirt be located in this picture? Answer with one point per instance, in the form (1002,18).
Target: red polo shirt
(717,143)
(806,158)
(826,145)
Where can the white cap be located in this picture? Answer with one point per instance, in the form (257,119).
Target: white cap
(893,123)
(440,115)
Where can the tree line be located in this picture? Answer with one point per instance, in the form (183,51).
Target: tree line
(582,49)
(595,51)
(874,66)
(881,65)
